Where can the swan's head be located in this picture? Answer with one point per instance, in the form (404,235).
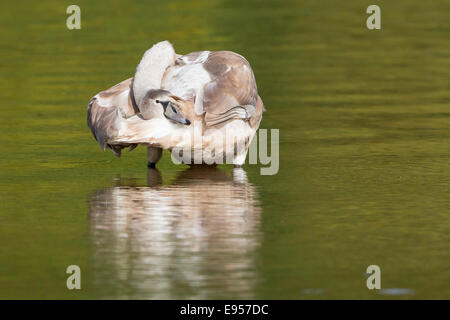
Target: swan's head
(161,103)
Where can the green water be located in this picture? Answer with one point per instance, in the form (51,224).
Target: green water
(364,175)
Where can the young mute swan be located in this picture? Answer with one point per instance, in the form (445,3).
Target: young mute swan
(203,106)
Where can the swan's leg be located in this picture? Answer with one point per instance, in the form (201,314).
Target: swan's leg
(240,149)
(239,176)
(154,154)
(239,159)
(154,177)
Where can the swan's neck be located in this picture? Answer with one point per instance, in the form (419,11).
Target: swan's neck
(151,69)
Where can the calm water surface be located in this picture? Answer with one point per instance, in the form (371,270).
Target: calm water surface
(364,175)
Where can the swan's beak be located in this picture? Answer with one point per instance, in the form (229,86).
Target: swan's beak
(172,112)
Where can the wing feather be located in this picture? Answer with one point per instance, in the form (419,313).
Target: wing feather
(232,84)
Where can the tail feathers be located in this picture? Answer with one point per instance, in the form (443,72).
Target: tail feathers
(104,124)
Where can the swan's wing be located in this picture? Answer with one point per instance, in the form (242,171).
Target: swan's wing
(105,112)
(221,83)
(156,132)
(232,91)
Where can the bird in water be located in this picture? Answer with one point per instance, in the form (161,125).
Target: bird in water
(203,106)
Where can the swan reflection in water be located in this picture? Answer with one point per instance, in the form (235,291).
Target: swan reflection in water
(195,238)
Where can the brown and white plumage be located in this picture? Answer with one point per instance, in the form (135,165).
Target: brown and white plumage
(216,90)
(107,109)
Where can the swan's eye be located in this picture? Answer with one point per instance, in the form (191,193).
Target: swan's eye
(163,103)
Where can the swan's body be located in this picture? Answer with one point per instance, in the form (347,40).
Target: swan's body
(216,91)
